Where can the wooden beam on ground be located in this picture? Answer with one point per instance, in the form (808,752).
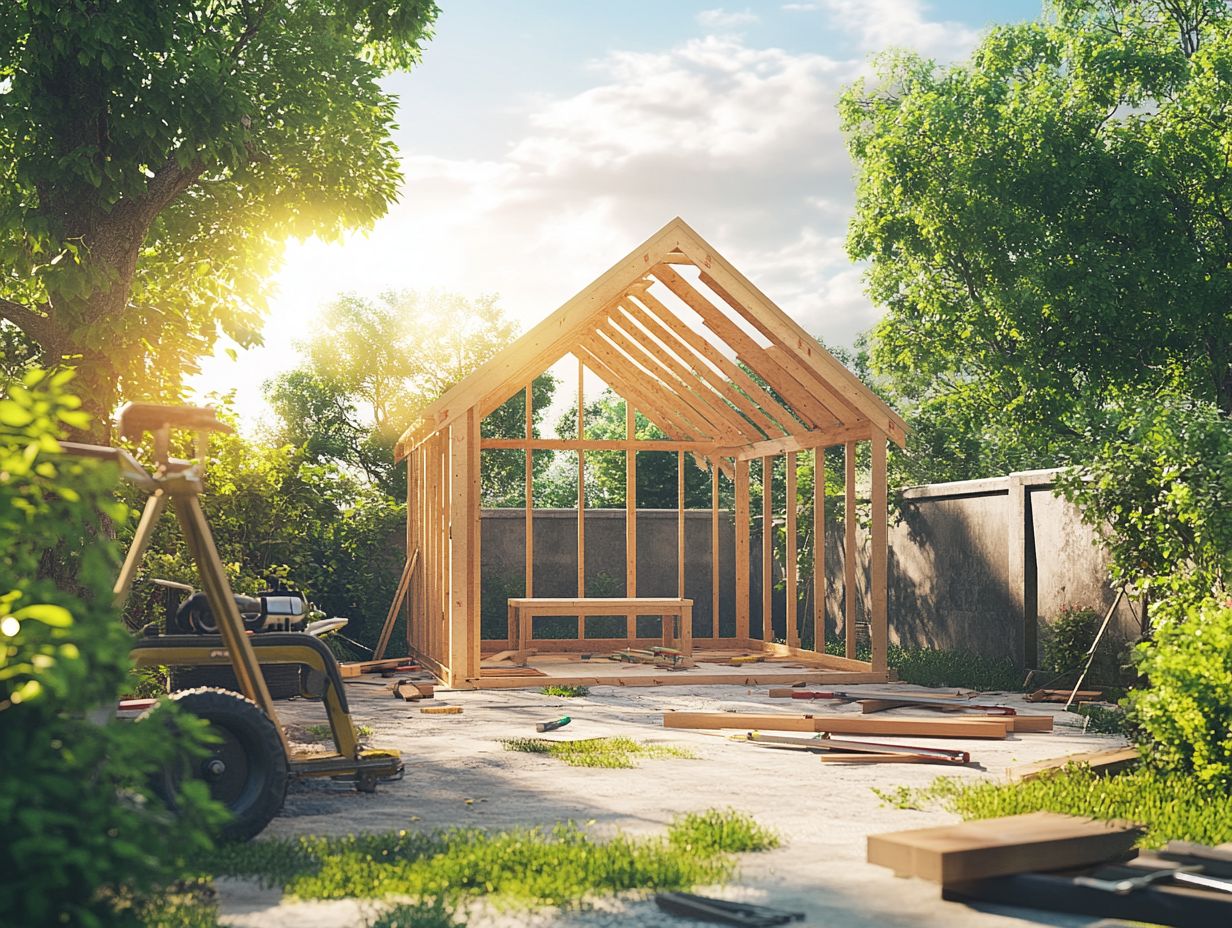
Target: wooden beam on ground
(991,728)
(849,547)
(1113,760)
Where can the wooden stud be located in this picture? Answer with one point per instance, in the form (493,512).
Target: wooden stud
(471,518)
(792,610)
(680,524)
(581,497)
(458,581)
(849,547)
(530,495)
(767,549)
(630,513)
(742,527)
(714,549)
(878,570)
(819,549)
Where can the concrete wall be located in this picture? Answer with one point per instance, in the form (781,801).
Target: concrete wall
(976,565)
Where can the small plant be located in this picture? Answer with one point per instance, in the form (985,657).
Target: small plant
(721,831)
(325,733)
(1104,720)
(426,913)
(566,690)
(596,752)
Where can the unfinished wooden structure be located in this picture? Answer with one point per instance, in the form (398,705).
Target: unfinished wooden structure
(729,379)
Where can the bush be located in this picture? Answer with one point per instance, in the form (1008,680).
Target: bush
(1187,712)
(1067,639)
(84,841)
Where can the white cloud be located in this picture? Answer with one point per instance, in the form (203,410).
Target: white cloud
(743,142)
(726,19)
(880,24)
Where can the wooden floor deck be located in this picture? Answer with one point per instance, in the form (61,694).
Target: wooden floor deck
(710,667)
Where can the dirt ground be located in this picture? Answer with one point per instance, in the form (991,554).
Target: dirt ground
(458,774)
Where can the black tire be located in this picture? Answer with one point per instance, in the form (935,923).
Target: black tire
(282,680)
(246,770)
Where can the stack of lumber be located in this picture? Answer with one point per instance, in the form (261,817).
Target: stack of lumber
(1065,863)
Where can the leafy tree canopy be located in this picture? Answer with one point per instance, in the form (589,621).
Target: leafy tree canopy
(1047,225)
(155,154)
(371,365)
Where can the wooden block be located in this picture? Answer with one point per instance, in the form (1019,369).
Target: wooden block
(1108,761)
(1001,846)
(351,669)
(842,724)
(441,710)
(747,659)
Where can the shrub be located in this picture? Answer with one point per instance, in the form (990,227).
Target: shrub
(1065,642)
(1187,712)
(83,840)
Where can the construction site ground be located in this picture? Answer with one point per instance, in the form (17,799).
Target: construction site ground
(458,774)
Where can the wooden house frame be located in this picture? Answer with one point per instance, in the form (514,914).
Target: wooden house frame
(674,329)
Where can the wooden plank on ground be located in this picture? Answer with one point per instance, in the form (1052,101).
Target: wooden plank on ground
(1112,760)
(358,668)
(1001,846)
(995,728)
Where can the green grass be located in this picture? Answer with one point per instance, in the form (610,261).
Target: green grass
(561,866)
(1171,807)
(324,733)
(566,690)
(931,667)
(596,752)
(432,913)
(189,905)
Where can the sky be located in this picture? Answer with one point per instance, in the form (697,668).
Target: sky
(543,140)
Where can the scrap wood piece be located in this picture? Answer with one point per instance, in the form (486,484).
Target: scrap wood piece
(410,691)
(746,659)
(942,702)
(358,668)
(1062,695)
(837,745)
(1002,846)
(1112,760)
(839,724)
(441,710)
(723,911)
(842,757)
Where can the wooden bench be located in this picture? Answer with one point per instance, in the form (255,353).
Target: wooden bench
(522,613)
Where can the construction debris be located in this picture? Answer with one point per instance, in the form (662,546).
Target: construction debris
(878,701)
(724,912)
(357,668)
(1063,695)
(412,691)
(995,728)
(441,710)
(834,745)
(1113,760)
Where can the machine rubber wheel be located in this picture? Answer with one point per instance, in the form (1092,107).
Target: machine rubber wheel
(246,769)
(282,680)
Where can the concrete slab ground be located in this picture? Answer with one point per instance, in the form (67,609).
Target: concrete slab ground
(458,774)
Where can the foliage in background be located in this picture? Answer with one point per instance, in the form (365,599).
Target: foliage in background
(1045,225)
(560,866)
(84,841)
(1065,642)
(1173,807)
(933,667)
(369,367)
(154,157)
(276,513)
(1186,712)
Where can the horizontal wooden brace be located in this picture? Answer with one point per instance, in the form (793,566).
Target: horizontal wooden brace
(598,444)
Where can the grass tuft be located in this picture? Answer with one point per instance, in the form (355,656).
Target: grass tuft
(1171,807)
(426,913)
(562,866)
(597,752)
(566,690)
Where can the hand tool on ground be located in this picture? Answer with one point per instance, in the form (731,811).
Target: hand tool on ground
(906,699)
(723,911)
(859,747)
(553,725)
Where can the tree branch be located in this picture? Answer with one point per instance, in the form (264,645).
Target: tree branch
(37,326)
